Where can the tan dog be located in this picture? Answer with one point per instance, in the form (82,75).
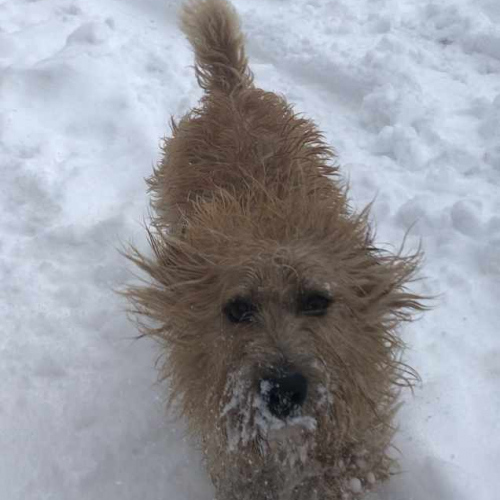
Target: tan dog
(276,311)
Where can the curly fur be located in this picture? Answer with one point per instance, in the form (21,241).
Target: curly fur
(248,202)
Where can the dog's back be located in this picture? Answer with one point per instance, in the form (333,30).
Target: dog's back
(242,141)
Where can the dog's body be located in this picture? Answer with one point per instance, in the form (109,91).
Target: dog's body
(276,311)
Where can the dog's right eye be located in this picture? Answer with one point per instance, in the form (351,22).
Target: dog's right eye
(314,304)
(240,310)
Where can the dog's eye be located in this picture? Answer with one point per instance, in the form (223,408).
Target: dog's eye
(240,310)
(314,304)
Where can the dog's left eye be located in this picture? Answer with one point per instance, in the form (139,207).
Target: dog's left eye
(240,310)
(314,304)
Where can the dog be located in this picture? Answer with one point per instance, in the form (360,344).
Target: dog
(277,314)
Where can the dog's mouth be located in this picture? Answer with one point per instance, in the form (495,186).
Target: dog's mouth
(277,411)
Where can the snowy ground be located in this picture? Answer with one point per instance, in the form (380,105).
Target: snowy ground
(408,92)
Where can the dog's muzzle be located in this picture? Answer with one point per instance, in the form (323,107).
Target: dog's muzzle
(284,393)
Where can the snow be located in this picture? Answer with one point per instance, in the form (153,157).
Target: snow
(407,91)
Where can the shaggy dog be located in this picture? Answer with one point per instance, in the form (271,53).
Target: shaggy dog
(276,312)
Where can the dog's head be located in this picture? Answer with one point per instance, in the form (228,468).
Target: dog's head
(278,317)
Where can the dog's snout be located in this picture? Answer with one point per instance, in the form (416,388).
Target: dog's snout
(284,393)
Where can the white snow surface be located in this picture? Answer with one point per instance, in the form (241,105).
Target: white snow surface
(408,93)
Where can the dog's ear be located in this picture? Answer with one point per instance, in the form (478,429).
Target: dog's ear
(383,285)
(176,263)
(177,276)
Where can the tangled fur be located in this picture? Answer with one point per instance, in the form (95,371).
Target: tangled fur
(248,203)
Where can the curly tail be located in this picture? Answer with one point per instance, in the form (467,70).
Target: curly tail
(213,29)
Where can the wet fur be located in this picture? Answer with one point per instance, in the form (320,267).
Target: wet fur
(247,201)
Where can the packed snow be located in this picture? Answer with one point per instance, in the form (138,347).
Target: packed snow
(408,93)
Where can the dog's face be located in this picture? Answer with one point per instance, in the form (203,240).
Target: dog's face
(273,338)
(276,312)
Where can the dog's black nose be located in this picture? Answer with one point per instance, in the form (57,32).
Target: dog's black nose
(284,393)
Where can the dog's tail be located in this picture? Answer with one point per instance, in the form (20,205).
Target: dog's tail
(213,29)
